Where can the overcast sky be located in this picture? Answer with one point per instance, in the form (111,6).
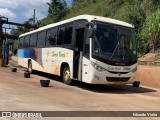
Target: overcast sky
(22,10)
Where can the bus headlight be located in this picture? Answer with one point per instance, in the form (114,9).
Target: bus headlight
(97,67)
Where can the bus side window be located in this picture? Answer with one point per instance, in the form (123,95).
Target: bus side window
(21,40)
(26,42)
(68,34)
(61,33)
(41,39)
(33,40)
(51,37)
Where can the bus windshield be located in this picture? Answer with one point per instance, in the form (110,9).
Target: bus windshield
(114,45)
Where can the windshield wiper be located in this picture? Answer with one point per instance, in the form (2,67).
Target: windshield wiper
(113,52)
(128,54)
(124,47)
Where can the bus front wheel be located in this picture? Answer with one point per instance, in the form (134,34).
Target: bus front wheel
(67,76)
(136,84)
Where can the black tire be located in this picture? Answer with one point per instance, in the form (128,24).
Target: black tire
(136,84)
(30,70)
(44,83)
(26,75)
(14,69)
(66,76)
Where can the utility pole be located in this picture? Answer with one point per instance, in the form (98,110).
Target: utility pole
(34,17)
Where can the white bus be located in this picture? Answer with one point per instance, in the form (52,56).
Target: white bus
(91,49)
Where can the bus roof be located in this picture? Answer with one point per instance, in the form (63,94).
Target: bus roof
(89,18)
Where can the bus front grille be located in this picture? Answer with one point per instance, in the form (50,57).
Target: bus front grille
(115,79)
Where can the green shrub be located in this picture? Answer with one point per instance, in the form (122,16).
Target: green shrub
(151,29)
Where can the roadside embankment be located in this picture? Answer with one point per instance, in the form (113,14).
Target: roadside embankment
(149,76)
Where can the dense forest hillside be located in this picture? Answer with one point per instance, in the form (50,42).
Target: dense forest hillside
(143,14)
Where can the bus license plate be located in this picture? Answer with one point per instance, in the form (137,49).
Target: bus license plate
(118,82)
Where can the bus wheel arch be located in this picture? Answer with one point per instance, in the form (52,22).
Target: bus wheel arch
(65,74)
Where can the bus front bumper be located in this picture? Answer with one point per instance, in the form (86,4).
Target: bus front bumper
(107,77)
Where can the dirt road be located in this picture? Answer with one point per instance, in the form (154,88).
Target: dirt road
(21,94)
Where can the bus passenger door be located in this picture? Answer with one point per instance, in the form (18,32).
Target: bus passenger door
(85,58)
(78,53)
(81,63)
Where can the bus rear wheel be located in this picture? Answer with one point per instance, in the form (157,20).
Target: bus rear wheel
(67,76)
(30,70)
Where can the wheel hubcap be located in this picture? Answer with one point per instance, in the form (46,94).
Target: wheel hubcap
(67,75)
(30,69)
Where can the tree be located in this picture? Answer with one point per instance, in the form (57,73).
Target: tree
(151,30)
(23,29)
(74,2)
(57,9)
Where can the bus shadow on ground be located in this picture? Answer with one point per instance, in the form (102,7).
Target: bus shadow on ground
(113,89)
(47,75)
